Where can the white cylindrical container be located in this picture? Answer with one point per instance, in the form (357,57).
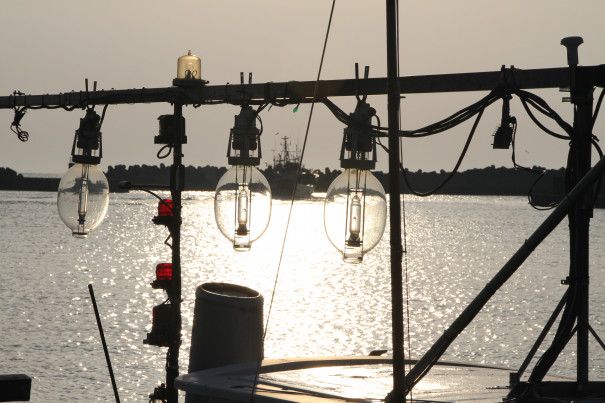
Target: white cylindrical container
(227,326)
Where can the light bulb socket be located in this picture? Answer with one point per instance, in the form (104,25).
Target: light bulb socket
(244,139)
(358,149)
(87,147)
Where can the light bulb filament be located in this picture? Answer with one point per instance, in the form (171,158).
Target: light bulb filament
(355,219)
(242,211)
(83,196)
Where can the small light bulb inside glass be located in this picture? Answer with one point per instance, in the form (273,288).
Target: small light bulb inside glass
(242,210)
(355,213)
(355,220)
(242,205)
(83,198)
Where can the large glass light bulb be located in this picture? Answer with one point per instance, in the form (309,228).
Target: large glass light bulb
(355,213)
(242,205)
(83,198)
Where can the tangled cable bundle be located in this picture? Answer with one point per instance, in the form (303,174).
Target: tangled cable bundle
(528,100)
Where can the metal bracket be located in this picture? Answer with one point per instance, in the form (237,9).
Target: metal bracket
(366,74)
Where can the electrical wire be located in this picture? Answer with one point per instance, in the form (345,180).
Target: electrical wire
(528,100)
(540,172)
(103,115)
(597,107)
(595,139)
(451,174)
(443,125)
(167,149)
(458,117)
(22,135)
(541,106)
(434,128)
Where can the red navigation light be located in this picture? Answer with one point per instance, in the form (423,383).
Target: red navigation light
(163,271)
(165,208)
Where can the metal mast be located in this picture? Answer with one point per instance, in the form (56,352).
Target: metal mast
(398,393)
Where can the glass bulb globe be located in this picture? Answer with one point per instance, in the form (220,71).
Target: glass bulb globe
(242,205)
(83,198)
(355,213)
(189,67)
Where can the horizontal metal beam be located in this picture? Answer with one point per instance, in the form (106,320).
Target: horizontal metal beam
(295,92)
(482,81)
(81,99)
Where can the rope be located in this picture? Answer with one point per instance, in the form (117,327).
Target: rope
(323,53)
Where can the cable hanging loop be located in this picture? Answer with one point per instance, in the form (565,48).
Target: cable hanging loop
(454,171)
(19,113)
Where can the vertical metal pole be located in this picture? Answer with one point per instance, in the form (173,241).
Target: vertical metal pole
(583,213)
(398,393)
(579,217)
(177,176)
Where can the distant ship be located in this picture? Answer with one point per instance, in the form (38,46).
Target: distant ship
(282,174)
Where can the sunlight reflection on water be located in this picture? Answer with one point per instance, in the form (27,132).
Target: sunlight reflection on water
(321,306)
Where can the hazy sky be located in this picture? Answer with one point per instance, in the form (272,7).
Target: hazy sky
(51,47)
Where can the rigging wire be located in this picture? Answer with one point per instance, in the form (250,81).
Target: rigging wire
(315,91)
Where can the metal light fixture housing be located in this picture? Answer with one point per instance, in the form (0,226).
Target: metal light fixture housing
(189,67)
(83,195)
(242,202)
(355,205)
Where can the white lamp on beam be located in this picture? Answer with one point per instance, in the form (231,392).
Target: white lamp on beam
(242,202)
(355,205)
(83,194)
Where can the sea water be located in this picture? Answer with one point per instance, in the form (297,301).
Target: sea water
(319,306)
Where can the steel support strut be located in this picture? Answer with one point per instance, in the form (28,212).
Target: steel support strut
(581,96)
(177,178)
(393,100)
(579,163)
